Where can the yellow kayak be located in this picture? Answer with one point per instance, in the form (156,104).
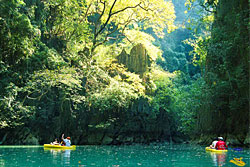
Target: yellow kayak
(214,150)
(58,146)
(238,161)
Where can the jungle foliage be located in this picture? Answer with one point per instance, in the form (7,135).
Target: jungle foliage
(59,70)
(57,66)
(224,55)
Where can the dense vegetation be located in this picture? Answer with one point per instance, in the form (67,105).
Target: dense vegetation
(113,72)
(227,73)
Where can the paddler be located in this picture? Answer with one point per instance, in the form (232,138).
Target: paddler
(66,141)
(221,145)
(54,142)
(214,143)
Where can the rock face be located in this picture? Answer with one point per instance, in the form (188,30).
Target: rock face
(137,61)
(226,111)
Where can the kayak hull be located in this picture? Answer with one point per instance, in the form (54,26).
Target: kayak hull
(214,150)
(58,147)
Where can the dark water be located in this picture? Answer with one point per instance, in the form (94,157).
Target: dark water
(119,156)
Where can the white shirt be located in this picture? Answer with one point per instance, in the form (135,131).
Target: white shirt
(214,143)
(67,142)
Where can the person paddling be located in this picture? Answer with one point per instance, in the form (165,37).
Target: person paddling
(66,141)
(221,145)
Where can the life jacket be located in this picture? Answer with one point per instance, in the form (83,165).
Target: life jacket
(220,145)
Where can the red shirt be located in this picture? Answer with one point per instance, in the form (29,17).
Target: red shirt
(220,145)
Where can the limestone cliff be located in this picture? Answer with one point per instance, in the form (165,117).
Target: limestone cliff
(226,111)
(137,61)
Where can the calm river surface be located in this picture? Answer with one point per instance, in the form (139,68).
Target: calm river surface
(181,155)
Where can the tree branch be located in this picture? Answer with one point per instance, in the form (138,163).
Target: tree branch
(86,14)
(105,24)
(207,9)
(128,7)
(104,6)
(84,18)
(102,28)
(148,9)
(110,14)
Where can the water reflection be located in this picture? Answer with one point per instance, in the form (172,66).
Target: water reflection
(66,157)
(60,156)
(66,153)
(56,152)
(219,159)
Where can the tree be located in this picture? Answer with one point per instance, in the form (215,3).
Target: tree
(118,16)
(97,22)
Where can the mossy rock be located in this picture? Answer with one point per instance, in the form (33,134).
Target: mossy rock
(137,61)
(107,140)
(31,140)
(95,138)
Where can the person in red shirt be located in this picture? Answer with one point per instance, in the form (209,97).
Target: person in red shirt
(221,145)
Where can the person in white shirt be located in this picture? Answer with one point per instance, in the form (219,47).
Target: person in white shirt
(214,143)
(55,142)
(67,141)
